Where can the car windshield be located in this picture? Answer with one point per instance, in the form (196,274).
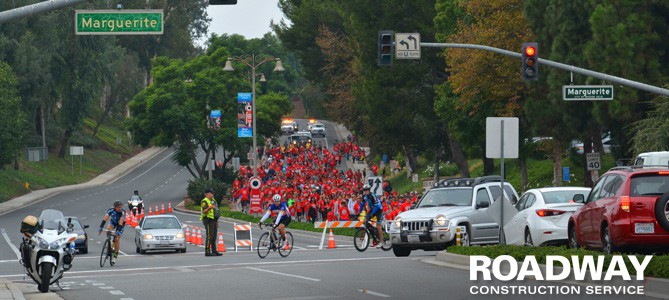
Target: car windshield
(447,197)
(52,219)
(649,184)
(161,223)
(76,224)
(562,196)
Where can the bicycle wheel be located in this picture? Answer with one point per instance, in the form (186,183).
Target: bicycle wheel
(105,253)
(264,245)
(361,239)
(386,245)
(286,246)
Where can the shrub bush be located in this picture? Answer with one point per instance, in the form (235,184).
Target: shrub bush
(197,186)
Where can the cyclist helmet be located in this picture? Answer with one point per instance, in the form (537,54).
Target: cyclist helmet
(276,198)
(118,203)
(366,187)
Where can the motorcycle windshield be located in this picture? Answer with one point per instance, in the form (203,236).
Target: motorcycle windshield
(52,219)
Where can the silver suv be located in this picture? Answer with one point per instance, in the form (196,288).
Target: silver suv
(450,203)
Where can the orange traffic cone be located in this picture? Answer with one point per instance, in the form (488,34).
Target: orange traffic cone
(199,237)
(331,241)
(157,212)
(169,207)
(150,212)
(188,240)
(162,208)
(287,248)
(220,247)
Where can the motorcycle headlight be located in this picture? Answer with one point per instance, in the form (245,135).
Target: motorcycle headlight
(42,243)
(398,222)
(54,245)
(441,220)
(148,236)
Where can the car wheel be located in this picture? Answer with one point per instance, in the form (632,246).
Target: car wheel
(183,250)
(528,238)
(607,241)
(573,240)
(662,211)
(401,251)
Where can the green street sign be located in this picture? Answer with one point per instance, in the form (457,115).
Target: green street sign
(587,92)
(118,22)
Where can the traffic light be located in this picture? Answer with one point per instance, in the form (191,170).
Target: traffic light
(222,2)
(530,69)
(385,48)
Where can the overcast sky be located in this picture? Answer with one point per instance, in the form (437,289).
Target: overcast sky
(249,18)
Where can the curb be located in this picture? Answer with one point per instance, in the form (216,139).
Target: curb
(14,291)
(653,287)
(102,179)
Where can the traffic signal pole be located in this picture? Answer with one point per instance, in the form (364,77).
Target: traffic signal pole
(30,10)
(569,68)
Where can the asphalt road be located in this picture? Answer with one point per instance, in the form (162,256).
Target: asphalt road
(308,273)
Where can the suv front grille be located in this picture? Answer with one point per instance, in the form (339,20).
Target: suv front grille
(164,237)
(415,225)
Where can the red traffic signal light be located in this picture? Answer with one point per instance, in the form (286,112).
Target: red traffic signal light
(530,61)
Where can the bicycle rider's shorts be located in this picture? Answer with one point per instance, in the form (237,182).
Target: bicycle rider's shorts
(285,220)
(378,214)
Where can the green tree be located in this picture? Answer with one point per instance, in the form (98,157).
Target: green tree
(11,116)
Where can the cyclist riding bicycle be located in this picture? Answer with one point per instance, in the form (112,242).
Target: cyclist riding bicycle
(116,218)
(374,203)
(282,215)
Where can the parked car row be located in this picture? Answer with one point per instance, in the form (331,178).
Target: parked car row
(627,208)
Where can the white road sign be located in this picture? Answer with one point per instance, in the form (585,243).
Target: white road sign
(592,160)
(407,45)
(376,182)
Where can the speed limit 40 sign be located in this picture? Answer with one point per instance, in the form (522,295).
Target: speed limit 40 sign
(592,160)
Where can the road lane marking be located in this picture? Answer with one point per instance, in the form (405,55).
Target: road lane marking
(116,292)
(284,274)
(374,293)
(9,242)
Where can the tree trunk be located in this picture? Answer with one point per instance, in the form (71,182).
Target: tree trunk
(99,121)
(524,181)
(64,143)
(457,154)
(436,164)
(557,163)
(411,157)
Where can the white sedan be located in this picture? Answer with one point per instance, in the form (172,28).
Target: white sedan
(543,215)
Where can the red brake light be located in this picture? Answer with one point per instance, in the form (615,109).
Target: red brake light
(549,212)
(625,203)
(663,173)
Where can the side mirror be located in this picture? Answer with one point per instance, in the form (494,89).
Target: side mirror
(579,198)
(86,226)
(483,204)
(138,228)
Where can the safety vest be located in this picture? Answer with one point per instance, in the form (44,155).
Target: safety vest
(205,203)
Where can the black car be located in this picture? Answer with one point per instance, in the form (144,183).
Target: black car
(81,243)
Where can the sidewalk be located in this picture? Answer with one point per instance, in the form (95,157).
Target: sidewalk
(22,291)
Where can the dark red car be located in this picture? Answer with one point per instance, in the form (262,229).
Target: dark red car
(628,207)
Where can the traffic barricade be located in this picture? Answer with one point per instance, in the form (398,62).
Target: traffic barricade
(337,224)
(243,236)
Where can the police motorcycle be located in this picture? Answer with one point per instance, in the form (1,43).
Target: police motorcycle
(47,249)
(135,202)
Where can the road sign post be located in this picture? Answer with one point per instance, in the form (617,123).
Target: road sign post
(587,92)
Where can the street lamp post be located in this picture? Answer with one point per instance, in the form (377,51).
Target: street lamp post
(253,61)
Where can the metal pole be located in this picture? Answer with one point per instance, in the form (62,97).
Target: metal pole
(29,10)
(501,207)
(570,68)
(253,102)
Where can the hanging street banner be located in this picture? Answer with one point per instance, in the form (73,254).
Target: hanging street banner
(118,22)
(244,115)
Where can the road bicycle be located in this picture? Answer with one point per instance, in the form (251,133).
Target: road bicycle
(362,236)
(107,249)
(272,241)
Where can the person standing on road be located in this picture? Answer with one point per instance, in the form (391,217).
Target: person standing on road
(209,216)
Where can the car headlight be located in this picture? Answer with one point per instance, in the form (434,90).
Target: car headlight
(180,235)
(148,236)
(441,220)
(398,222)
(81,237)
